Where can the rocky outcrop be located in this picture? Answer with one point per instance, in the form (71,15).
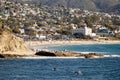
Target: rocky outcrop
(45,53)
(1,56)
(11,55)
(12,45)
(9,42)
(67,54)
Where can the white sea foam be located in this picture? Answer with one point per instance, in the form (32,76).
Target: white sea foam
(105,56)
(111,56)
(52,57)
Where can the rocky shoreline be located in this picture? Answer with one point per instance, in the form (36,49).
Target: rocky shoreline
(11,56)
(67,54)
(12,46)
(53,54)
(17,54)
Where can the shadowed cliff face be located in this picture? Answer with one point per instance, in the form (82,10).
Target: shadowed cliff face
(43,53)
(9,42)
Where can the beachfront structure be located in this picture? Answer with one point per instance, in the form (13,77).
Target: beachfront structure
(40,37)
(82,30)
(103,32)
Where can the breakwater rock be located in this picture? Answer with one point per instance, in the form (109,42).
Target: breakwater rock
(67,54)
(11,56)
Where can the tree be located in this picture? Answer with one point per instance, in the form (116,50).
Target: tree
(95,18)
(0,27)
(66,32)
(88,21)
(76,20)
(31,32)
(16,30)
(0,24)
(107,24)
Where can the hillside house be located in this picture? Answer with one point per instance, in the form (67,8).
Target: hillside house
(103,32)
(82,30)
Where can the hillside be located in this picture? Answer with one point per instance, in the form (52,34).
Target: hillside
(94,5)
(115,9)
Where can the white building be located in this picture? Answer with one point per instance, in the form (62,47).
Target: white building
(83,30)
(40,37)
(22,31)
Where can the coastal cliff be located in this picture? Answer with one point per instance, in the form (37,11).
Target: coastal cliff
(11,45)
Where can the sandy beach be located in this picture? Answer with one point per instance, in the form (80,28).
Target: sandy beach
(63,42)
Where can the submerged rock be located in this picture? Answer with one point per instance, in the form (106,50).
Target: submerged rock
(54,69)
(78,72)
(92,55)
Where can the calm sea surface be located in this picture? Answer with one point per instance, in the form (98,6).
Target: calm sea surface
(99,48)
(65,69)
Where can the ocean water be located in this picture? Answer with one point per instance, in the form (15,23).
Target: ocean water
(98,48)
(64,68)
(60,69)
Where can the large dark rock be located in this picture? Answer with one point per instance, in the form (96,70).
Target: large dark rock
(1,56)
(67,54)
(45,53)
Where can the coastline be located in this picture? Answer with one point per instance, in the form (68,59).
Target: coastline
(32,44)
(65,42)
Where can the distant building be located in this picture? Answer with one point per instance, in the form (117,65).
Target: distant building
(22,31)
(82,30)
(57,36)
(40,37)
(103,32)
